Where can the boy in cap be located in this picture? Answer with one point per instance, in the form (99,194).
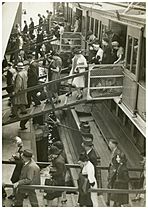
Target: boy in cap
(30,175)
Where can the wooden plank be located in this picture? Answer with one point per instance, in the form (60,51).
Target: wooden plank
(39,110)
(111,129)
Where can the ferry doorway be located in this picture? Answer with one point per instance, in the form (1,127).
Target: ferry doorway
(79,14)
(119,31)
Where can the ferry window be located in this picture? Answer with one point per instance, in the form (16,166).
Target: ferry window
(139,140)
(129,52)
(92,24)
(143,62)
(96,28)
(88,22)
(132,54)
(134,60)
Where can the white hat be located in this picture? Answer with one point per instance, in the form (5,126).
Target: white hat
(17,140)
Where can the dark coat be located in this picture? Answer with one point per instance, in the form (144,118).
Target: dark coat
(121,182)
(112,167)
(93,158)
(107,55)
(25,29)
(33,74)
(59,174)
(84,198)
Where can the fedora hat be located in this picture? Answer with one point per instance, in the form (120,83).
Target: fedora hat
(87,142)
(87,136)
(27,153)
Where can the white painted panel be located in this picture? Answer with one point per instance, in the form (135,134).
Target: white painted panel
(9,10)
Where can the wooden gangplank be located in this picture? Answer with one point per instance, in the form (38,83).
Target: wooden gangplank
(44,108)
(72,101)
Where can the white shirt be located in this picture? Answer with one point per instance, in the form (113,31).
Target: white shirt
(89,170)
(100,54)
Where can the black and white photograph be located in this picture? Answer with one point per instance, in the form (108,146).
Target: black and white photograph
(73,103)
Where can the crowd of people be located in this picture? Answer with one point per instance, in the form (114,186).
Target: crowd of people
(21,75)
(27,172)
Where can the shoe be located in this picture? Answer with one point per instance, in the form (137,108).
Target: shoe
(68,94)
(63,201)
(12,196)
(12,116)
(23,128)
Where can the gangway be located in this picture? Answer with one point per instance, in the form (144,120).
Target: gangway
(109,77)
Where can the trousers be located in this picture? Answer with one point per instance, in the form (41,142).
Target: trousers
(19,197)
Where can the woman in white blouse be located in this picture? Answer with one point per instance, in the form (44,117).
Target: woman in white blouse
(87,171)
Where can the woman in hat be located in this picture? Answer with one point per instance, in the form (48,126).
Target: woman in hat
(86,181)
(97,59)
(79,65)
(118,51)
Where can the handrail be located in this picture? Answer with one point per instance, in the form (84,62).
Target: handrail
(73,165)
(75,189)
(60,79)
(29,45)
(46,84)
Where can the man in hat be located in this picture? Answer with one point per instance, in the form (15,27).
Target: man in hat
(58,171)
(40,19)
(116,154)
(39,41)
(10,77)
(93,156)
(30,175)
(33,75)
(31,28)
(20,83)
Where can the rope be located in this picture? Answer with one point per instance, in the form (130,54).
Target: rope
(64,126)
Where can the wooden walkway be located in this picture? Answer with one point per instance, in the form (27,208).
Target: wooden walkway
(110,128)
(72,151)
(43,108)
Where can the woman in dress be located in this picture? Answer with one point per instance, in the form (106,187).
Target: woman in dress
(79,64)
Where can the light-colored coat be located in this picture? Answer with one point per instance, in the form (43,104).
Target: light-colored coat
(20,84)
(30,174)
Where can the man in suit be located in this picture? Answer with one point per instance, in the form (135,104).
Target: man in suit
(30,175)
(116,154)
(93,156)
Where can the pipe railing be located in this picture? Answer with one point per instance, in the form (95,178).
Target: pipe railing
(73,165)
(75,189)
(60,79)
(25,47)
(46,84)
